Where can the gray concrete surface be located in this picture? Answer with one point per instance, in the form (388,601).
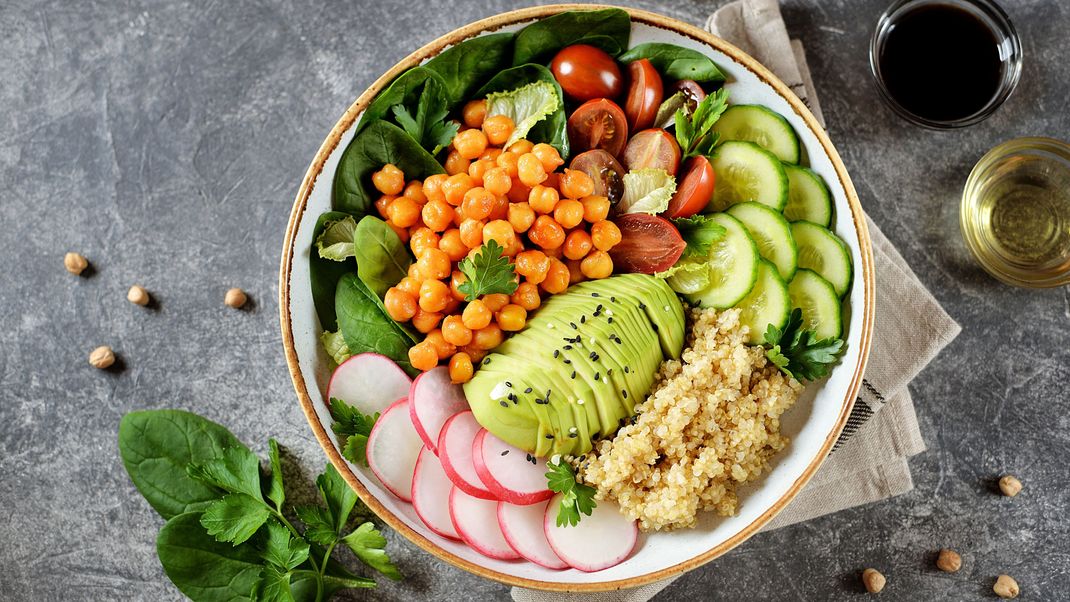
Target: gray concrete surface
(166,140)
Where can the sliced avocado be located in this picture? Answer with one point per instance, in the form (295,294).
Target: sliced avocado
(524,422)
(653,295)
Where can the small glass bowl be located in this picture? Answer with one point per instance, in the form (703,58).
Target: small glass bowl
(1024,168)
(1010,50)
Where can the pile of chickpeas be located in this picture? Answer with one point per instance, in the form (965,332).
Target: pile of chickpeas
(551,226)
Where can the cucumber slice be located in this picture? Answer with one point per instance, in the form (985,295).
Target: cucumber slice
(766,128)
(733,262)
(809,198)
(819,304)
(767,303)
(772,233)
(823,252)
(744,171)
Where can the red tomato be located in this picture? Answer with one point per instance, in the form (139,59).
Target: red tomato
(654,148)
(648,244)
(607,173)
(586,72)
(598,123)
(695,189)
(644,95)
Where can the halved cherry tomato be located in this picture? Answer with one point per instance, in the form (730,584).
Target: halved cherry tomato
(598,123)
(644,95)
(607,173)
(695,189)
(648,244)
(586,72)
(693,93)
(653,148)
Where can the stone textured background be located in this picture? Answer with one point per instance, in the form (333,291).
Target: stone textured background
(166,140)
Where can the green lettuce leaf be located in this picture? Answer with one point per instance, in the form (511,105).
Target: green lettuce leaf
(526,106)
(647,191)
(336,241)
(688,276)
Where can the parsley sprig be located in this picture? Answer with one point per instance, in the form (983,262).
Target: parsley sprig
(693,132)
(487,273)
(354,427)
(428,126)
(798,353)
(576,498)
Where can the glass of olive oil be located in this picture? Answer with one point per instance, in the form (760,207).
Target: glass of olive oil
(1015,213)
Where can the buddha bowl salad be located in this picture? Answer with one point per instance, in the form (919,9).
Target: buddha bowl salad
(570,287)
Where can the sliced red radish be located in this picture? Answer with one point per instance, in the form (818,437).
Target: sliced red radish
(368,381)
(604,539)
(455,451)
(523,530)
(393,447)
(508,471)
(477,522)
(434,399)
(430,486)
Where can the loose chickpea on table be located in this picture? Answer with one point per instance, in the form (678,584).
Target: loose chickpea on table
(550,225)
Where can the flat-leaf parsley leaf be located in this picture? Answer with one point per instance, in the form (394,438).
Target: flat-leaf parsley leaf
(798,353)
(576,498)
(487,273)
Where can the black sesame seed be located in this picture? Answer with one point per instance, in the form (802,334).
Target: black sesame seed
(505,452)
(610,320)
(573,375)
(624,392)
(548,391)
(583,457)
(568,347)
(613,299)
(568,361)
(486,361)
(594,294)
(655,327)
(527,457)
(626,369)
(572,435)
(503,404)
(593,356)
(557,353)
(573,325)
(549,436)
(583,319)
(539,400)
(610,373)
(528,390)
(599,308)
(509,384)
(598,376)
(642,306)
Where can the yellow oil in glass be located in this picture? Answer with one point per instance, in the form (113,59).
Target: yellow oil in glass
(1016,212)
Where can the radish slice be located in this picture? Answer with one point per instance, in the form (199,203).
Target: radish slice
(393,447)
(508,472)
(455,451)
(603,539)
(430,486)
(368,381)
(522,528)
(433,399)
(476,521)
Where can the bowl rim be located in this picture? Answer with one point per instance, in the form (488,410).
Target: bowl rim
(490,24)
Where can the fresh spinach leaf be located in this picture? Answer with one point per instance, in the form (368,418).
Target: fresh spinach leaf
(157,445)
(365,325)
(382,259)
(381,142)
(608,29)
(404,90)
(204,569)
(468,64)
(427,124)
(551,130)
(323,274)
(675,62)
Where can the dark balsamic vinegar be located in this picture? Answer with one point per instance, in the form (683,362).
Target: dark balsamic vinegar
(941,62)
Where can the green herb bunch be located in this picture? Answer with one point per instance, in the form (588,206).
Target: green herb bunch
(229,533)
(798,353)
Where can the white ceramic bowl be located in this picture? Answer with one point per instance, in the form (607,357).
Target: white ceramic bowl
(813,424)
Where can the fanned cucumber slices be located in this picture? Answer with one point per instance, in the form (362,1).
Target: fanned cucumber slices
(733,266)
(772,233)
(809,198)
(766,128)
(747,172)
(767,303)
(823,252)
(819,304)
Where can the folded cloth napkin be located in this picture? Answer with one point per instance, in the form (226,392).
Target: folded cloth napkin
(869,461)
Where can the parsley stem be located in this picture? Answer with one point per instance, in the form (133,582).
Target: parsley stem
(326,555)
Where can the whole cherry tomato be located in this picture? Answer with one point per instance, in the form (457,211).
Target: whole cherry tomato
(644,95)
(586,72)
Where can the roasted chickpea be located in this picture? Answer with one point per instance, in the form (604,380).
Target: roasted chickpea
(461,369)
(452,245)
(568,213)
(443,348)
(476,315)
(410,285)
(548,156)
(500,231)
(595,208)
(521,147)
(478,203)
(532,265)
(423,356)
(498,128)
(456,280)
(496,301)
(575,274)
(530,170)
(557,278)
(470,143)
(382,204)
(487,338)
(414,191)
(501,207)
(527,296)
(426,321)
(474,112)
(403,233)
(543,199)
(400,305)
(474,352)
(455,163)
(556,252)
(521,216)
(437,215)
(605,235)
(434,295)
(477,170)
(403,212)
(389,180)
(423,238)
(455,187)
(512,318)
(496,181)
(509,162)
(491,153)
(433,264)
(576,184)
(597,265)
(547,233)
(471,233)
(455,332)
(577,244)
(432,187)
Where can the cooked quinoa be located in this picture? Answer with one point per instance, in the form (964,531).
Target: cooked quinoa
(710,423)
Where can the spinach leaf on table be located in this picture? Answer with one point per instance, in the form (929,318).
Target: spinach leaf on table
(382,259)
(157,446)
(324,274)
(468,64)
(376,145)
(608,29)
(201,567)
(366,326)
(676,62)
(551,130)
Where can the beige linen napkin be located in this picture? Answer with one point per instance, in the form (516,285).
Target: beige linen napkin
(869,462)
